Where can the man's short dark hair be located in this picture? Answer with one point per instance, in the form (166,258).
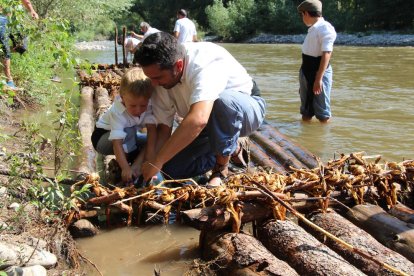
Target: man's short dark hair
(182,12)
(160,48)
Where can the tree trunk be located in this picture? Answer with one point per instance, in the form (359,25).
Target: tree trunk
(387,229)
(289,242)
(240,254)
(87,157)
(361,240)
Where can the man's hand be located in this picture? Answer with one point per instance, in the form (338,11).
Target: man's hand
(150,169)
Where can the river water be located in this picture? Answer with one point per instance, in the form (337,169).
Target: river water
(372,106)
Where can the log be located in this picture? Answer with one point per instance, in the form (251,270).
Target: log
(301,153)
(275,151)
(102,100)
(403,213)
(260,158)
(216,217)
(290,243)
(116,46)
(106,199)
(387,229)
(343,229)
(240,254)
(87,157)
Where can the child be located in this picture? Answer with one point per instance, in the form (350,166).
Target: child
(116,130)
(315,75)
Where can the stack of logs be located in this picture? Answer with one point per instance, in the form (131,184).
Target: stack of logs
(358,238)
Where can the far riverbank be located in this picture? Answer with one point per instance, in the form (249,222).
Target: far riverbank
(359,39)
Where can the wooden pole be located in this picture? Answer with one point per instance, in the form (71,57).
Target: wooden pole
(123,47)
(87,158)
(116,46)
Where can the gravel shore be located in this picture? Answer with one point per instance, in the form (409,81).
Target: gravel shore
(342,39)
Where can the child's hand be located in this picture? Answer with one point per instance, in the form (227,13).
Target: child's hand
(136,169)
(127,175)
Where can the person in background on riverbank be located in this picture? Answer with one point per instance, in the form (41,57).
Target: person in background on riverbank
(184,29)
(315,76)
(116,130)
(146,30)
(4,41)
(213,93)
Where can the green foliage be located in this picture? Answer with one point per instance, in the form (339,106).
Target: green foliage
(218,17)
(82,15)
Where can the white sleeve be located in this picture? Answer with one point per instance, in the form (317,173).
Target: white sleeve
(328,36)
(118,123)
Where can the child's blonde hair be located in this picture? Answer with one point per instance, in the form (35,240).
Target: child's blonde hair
(135,82)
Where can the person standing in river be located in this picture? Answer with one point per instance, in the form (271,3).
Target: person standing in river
(184,29)
(315,76)
(4,40)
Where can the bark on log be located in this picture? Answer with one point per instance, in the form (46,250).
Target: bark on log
(403,213)
(103,102)
(387,229)
(87,158)
(216,217)
(240,254)
(107,199)
(348,232)
(260,158)
(290,243)
(302,154)
(276,151)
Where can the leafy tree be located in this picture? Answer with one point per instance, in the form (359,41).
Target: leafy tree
(84,15)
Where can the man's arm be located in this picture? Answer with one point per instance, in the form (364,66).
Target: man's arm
(176,34)
(29,7)
(317,86)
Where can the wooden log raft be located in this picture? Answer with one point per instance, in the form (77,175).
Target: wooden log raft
(348,232)
(387,229)
(87,158)
(240,254)
(260,158)
(290,243)
(307,158)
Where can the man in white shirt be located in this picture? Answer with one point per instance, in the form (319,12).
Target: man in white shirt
(203,83)
(184,29)
(315,77)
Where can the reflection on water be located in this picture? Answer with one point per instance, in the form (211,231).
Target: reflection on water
(137,251)
(372,98)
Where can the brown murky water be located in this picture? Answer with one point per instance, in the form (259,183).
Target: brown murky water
(372,104)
